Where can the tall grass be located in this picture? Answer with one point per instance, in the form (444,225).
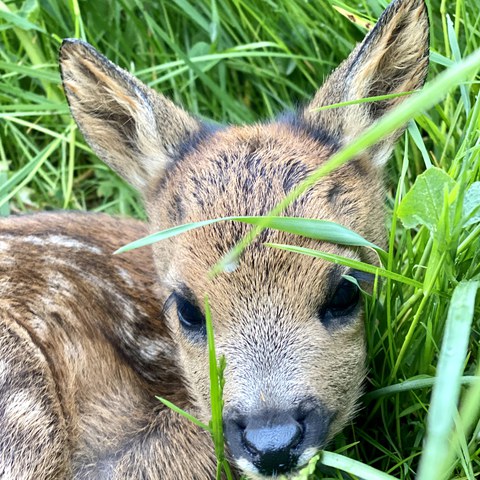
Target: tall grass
(244,60)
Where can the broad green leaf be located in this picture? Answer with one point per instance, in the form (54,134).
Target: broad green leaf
(471,205)
(306,472)
(32,11)
(317,229)
(446,392)
(423,204)
(200,48)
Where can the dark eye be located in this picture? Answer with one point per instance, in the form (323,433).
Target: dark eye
(189,315)
(343,301)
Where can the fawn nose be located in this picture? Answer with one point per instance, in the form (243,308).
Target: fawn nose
(273,441)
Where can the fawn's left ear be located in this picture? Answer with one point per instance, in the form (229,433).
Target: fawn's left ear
(135,130)
(393,58)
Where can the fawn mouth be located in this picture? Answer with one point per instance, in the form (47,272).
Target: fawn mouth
(274,442)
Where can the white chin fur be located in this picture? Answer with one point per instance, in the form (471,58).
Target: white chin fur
(248,469)
(252,472)
(306,456)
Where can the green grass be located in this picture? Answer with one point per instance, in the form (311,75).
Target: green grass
(244,60)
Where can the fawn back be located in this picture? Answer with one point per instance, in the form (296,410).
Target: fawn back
(84,350)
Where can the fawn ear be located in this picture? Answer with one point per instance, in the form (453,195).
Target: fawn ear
(131,127)
(393,58)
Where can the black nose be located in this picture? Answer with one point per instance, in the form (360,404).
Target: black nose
(273,441)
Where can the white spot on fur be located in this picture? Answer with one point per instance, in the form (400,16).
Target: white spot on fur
(99,283)
(6,471)
(56,282)
(40,327)
(4,246)
(125,276)
(152,349)
(5,284)
(61,241)
(7,262)
(249,468)
(306,456)
(22,410)
(126,307)
(3,371)
(75,353)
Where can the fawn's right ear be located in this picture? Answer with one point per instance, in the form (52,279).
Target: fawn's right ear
(135,130)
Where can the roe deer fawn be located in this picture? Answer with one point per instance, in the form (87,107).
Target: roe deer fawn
(88,339)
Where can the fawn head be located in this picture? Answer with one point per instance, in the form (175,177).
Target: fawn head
(290,326)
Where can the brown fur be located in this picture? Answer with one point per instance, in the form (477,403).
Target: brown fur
(84,352)
(88,340)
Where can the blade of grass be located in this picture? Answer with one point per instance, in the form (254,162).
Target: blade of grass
(353,467)
(21,178)
(376,98)
(34,52)
(446,391)
(184,414)
(452,37)
(348,262)
(216,400)
(311,228)
(417,138)
(215,426)
(414,384)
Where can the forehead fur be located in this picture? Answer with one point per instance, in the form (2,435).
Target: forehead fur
(246,171)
